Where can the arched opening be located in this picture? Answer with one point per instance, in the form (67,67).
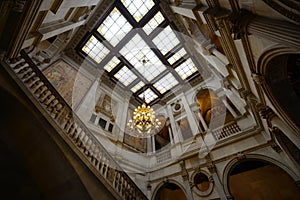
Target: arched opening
(212,108)
(256,179)
(170,191)
(289,147)
(283,80)
(162,138)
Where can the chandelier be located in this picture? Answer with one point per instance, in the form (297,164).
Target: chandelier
(144,122)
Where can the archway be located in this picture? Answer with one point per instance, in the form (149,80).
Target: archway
(255,179)
(288,146)
(280,67)
(170,191)
(212,108)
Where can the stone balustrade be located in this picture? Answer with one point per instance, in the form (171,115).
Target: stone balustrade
(226,131)
(73,129)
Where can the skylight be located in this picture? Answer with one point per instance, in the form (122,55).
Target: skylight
(166,40)
(136,44)
(179,54)
(138,9)
(165,83)
(186,69)
(137,86)
(112,64)
(114,27)
(149,95)
(125,76)
(135,50)
(94,49)
(153,23)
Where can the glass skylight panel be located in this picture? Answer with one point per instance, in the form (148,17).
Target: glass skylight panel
(165,83)
(166,40)
(112,64)
(125,76)
(179,54)
(95,49)
(114,27)
(153,23)
(135,51)
(149,95)
(138,8)
(186,69)
(137,86)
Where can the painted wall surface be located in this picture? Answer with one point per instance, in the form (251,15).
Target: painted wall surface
(68,81)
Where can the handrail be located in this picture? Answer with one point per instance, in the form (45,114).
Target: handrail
(80,136)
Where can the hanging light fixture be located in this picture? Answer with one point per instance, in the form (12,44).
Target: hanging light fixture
(144,123)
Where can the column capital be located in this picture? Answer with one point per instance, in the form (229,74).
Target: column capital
(240,21)
(275,147)
(217,13)
(265,112)
(258,78)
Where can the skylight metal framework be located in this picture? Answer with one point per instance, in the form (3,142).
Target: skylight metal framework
(133,30)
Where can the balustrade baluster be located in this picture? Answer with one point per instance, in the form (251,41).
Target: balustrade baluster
(31,80)
(56,109)
(23,71)
(62,116)
(40,90)
(52,104)
(30,76)
(115,182)
(44,95)
(69,121)
(27,75)
(88,145)
(18,66)
(36,85)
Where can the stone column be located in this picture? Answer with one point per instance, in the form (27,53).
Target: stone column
(121,119)
(171,136)
(219,186)
(202,121)
(185,177)
(153,143)
(149,145)
(177,137)
(190,115)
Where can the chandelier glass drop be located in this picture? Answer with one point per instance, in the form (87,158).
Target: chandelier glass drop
(144,123)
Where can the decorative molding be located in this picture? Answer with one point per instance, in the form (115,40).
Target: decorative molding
(275,147)
(282,32)
(287,8)
(240,156)
(258,78)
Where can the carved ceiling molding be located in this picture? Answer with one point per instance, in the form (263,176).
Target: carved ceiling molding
(288,8)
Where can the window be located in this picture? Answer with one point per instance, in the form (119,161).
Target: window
(203,184)
(93,118)
(110,127)
(102,123)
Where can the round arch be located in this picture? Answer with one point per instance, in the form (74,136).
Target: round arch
(234,162)
(268,71)
(162,184)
